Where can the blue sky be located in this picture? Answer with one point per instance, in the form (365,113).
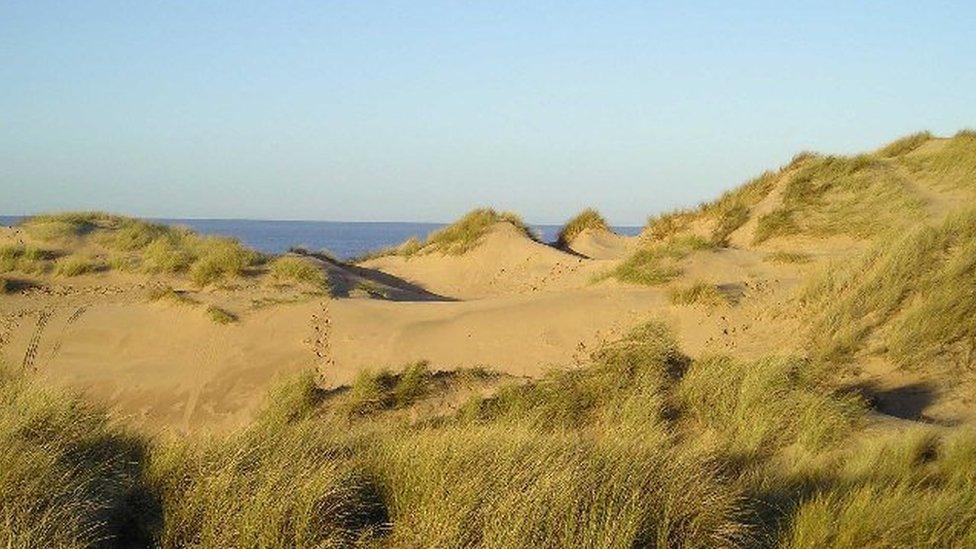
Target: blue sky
(419,111)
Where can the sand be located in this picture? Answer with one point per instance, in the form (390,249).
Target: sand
(510,304)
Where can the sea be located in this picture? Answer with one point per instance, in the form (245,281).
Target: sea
(343,239)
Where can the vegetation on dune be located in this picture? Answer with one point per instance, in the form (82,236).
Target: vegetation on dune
(465,234)
(68,477)
(297,269)
(782,256)
(75,265)
(132,245)
(658,262)
(24,259)
(905,144)
(951,166)
(875,499)
(860,196)
(698,293)
(587,219)
(643,447)
(457,238)
(915,293)
(726,214)
(220,316)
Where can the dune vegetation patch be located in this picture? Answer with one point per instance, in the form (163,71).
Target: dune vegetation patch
(220,315)
(914,292)
(783,256)
(905,145)
(465,234)
(588,219)
(134,245)
(458,238)
(698,293)
(67,474)
(76,265)
(860,196)
(641,447)
(297,269)
(24,259)
(725,214)
(658,262)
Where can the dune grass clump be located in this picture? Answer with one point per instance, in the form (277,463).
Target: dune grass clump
(587,219)
(220,315)
(281,485)
(168,293)
(297,269)
(218,259)
(905,144)
(372,392)
(860,196)
(767,404)
(667,225)
(876,498)
(24,259)
(159,249)
(699,293)
(730,218)
(75,265)
(914,292)
(68,477)
(781,256)
(513,486)
(465,234)
(776,223)
(658,262)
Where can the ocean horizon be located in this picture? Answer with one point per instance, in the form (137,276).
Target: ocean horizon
(343,239)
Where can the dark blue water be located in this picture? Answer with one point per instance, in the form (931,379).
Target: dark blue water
(343,239)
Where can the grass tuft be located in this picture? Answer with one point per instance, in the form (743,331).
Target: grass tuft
(781,256)
(75,265)
(699,293)
(297,269)
(904,145)
(220,316)
(466,233)
(658,262)
(587,219)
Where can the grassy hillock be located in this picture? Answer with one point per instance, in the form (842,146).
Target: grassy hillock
(587,219)
(72,244)
(912,297)
(458,238)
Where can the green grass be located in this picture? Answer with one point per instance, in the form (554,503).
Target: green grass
(642,447)
(699,293)
(76,265)
(781,256)
(24,259)
(168,293)
(730,218)
(876,499)
(658,262)
(861,196)
(68,476)
(905,145)
(466,233)
(221,316)
(587,219)
(297,269)
(133,244)
(911,294)
(776,223)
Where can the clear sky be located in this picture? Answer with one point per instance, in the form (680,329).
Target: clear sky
(418,111)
